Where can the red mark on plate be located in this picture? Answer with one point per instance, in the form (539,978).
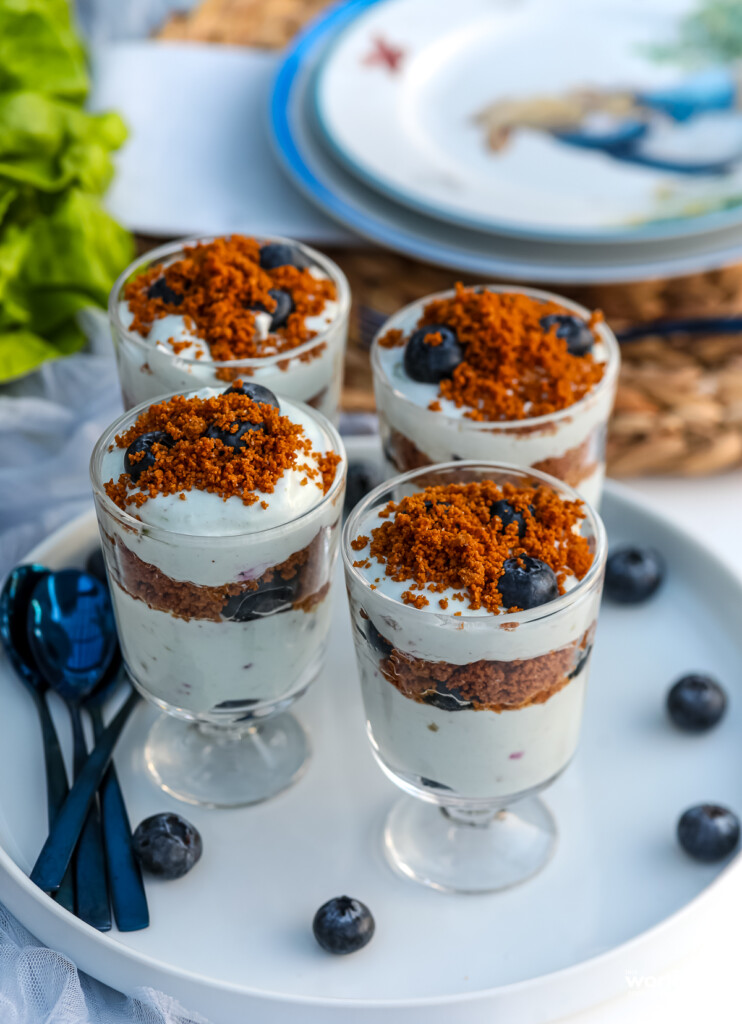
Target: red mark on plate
(385,55)
(516,756)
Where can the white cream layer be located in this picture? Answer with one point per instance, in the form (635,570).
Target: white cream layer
(195,665)
(478,754)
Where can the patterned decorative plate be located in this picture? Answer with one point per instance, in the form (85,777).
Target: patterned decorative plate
(560,119)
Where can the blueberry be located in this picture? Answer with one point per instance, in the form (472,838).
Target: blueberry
(527,585)
(428,505)
(160,289)
(446,699)
(508,515)
(233,439)
(255,391)
(573,329)
(632,574)
(95,565)
(708,832)
(382,647)
(284,308)
(144,443)
(278,254)
(276,595)
(343,925)
(696,703)
(167,845)
(431,363)
(362,478)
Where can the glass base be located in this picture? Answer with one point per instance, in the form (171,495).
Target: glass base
(473,851)
(221,766)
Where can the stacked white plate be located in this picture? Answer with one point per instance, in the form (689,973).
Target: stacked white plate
(562,140)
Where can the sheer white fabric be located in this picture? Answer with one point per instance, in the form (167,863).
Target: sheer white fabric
(40,986)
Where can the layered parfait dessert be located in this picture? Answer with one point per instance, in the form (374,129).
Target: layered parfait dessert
(474,594)
(219,514)
(204,313)
(522,377)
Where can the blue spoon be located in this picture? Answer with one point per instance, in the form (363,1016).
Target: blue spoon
(124,874)
(14,601)
(72,635)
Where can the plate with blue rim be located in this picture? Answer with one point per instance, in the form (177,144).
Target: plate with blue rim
(315,170)
(569,121)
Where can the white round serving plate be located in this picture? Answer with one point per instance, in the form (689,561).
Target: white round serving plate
(232,940)
(304,154)
(399,94)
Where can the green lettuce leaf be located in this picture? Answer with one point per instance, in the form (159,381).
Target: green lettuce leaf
(39,49)
(59,250)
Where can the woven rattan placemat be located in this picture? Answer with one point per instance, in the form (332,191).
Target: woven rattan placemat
(679,406)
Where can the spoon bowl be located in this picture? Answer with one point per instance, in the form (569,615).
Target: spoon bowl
(14,601)
(71,631)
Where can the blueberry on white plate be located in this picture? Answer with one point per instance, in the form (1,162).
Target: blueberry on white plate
(633,573)
(708,832)
(343,925)
(696,703)
(167,845)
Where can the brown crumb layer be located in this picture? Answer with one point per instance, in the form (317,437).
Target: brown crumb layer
(220,286)
(512,368)
(449,536)
(197,462)
(574,466)
(145,582)
(487,685)
(578,463)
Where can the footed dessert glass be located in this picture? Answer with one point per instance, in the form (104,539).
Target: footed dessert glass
(223,633)
(568,444)
(311,373)
(471,820)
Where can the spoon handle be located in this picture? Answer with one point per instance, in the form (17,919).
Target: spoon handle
(124,874)
(93,905)
(56,788)
(57,851)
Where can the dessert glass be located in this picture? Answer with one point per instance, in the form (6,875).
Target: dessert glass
(311,373)
(568,444)
(224,676)
(471,820)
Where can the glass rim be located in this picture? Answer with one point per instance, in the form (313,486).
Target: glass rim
(331,268)
(607,336)
(159,532)
(529,615)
